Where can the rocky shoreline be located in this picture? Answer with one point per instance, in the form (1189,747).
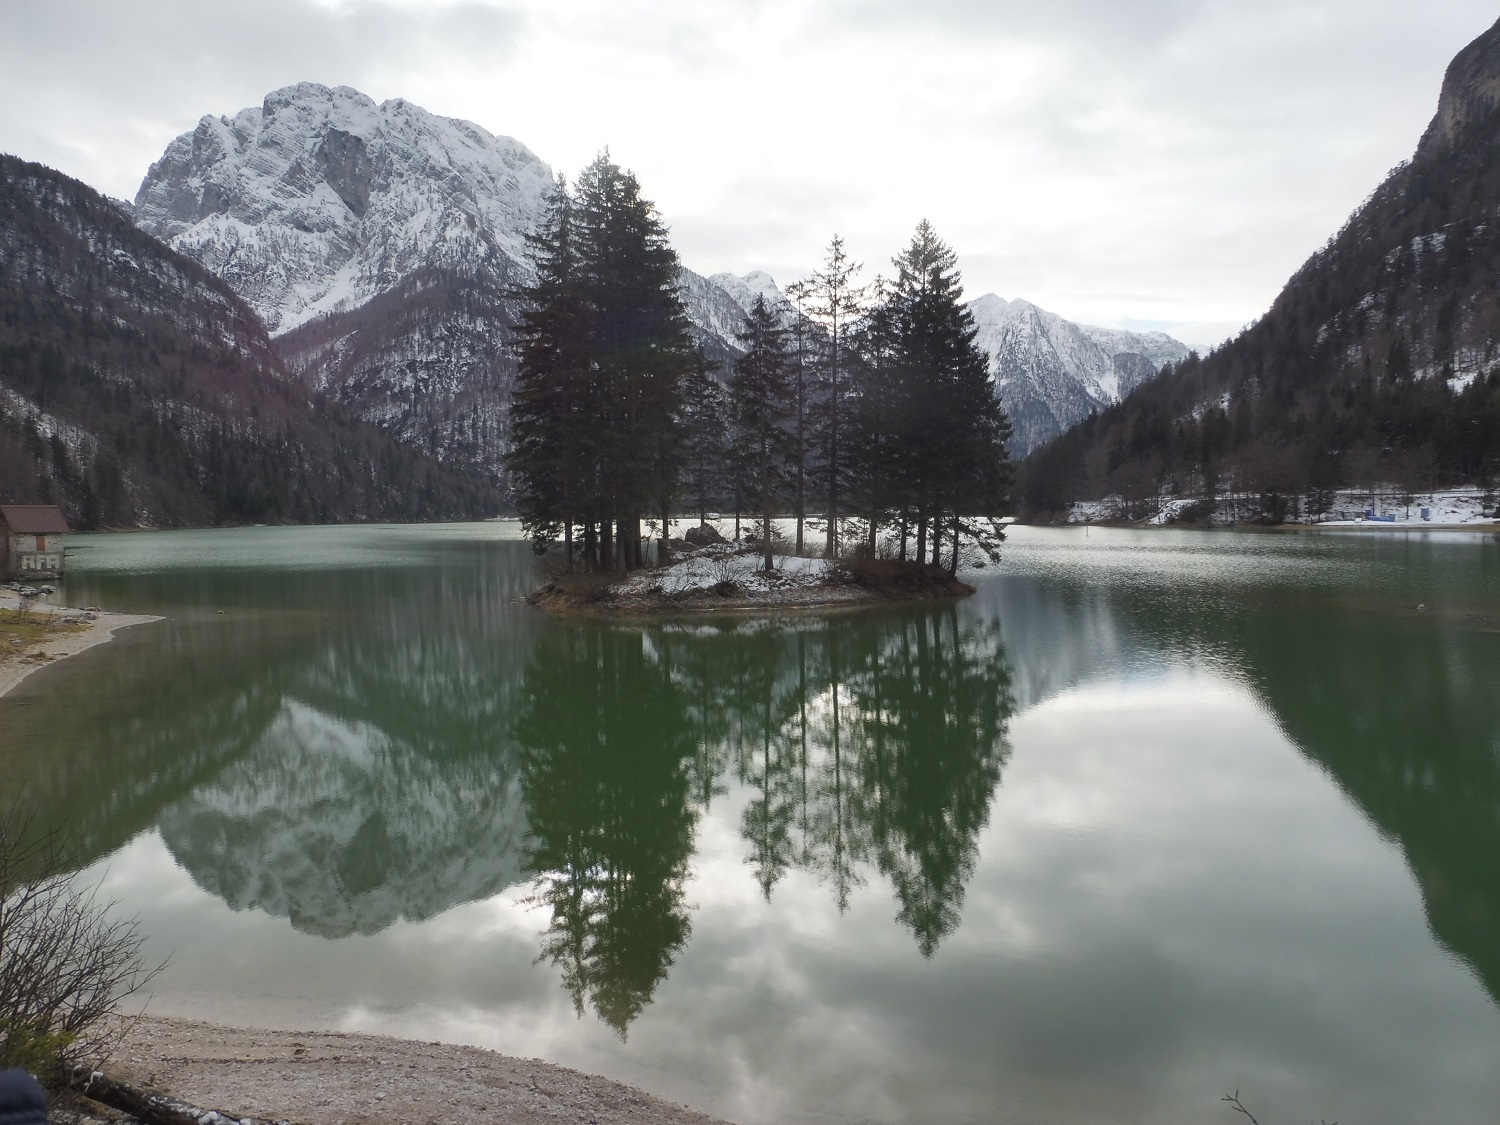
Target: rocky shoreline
(213,1074)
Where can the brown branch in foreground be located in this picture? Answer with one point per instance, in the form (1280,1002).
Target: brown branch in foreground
(148,1108)
(1239,1107)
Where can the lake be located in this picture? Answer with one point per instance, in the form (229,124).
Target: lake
(1151,818)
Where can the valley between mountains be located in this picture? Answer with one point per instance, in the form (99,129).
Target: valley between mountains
(373,252)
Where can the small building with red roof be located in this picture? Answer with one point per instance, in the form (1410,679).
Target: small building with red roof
(31,541)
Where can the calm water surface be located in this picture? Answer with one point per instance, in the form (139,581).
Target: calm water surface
(1152,817)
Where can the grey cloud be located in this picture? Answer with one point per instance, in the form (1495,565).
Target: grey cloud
(1196,150)
(156,67)
(1125,24)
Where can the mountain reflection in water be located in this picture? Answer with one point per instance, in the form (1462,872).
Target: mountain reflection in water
(350,748)
(389,745)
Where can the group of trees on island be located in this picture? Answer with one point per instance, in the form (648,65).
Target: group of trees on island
(867,406)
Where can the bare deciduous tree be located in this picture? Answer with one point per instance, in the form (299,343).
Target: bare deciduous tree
(66,959)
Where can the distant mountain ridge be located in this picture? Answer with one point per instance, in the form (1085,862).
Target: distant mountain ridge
(1052,373)
(137,387)
(381,242)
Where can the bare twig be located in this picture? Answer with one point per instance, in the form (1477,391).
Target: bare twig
(1239,1107)
(66,960)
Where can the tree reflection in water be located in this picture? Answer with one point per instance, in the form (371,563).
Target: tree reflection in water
(875,742)
(605,767)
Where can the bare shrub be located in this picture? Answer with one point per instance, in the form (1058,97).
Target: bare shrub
(725,574)
(65,962)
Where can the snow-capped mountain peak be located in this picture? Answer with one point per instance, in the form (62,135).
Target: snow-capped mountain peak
(744,289)
(1053,373)
(378,241)
(320,198)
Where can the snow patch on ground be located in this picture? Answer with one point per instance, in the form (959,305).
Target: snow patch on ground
(725,563)
(1350,508)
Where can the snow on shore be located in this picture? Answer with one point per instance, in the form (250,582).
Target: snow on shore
(1455,507)
(711,566)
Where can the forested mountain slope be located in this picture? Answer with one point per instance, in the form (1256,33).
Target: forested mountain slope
(136,387)
(1379,361)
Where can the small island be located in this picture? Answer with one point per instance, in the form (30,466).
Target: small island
(870,413)
(724,577)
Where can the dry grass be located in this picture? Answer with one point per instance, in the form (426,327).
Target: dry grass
(24,631)
(901,579)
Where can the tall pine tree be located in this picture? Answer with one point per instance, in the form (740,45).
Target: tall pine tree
(706,426)
(835,305)
(760,390)
(604,351)
(949,461)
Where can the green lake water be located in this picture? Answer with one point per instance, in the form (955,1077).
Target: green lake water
(1151,818)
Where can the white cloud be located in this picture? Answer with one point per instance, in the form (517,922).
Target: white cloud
(1170,161)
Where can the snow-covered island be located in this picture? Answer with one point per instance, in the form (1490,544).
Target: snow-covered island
(730,578)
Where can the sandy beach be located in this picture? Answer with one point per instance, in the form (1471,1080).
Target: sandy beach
(337,1078)
(68,632)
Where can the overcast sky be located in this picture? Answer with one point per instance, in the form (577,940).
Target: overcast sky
(1133,163)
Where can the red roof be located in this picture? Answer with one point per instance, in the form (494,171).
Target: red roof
(34,519)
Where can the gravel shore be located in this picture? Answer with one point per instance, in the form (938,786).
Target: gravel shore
(336,1078)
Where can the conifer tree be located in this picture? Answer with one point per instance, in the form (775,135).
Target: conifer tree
(551,459)
(803,344)
(604,350)
(952,428)
(879,460)
(835,305)
(760,391)
(705,422)
(639,345)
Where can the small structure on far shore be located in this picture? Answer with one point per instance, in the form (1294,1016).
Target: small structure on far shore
(31,541)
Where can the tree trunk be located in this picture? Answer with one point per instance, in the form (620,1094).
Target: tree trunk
(153,1109)
(568,543)
(606,546)
(921,539)
(765,505)
(664,556)
(937,538)
(905,529)
(953,564)
(801,436)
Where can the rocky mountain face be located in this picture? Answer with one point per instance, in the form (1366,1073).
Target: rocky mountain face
(429,361)
(1053,373)
(319,199)
(1377,365)
(137,387)
(379,244)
